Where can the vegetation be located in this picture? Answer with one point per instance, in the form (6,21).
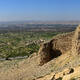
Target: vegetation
(21,43)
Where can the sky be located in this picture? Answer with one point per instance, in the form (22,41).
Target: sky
(43,10)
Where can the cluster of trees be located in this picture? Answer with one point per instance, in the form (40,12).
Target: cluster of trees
(9,51)
(15,44)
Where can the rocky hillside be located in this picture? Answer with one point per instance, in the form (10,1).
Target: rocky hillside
(59,45)
(68,44)
(57,59)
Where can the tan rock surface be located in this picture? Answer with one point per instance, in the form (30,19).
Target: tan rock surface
(55,66)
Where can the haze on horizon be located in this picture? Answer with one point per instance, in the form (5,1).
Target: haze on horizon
(43,10)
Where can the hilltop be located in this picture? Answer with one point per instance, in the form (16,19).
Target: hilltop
(57,59)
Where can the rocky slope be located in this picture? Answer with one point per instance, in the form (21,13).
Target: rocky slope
(59,45)
(57,59)
(66,44)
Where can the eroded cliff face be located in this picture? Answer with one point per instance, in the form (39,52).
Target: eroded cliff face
(59,45)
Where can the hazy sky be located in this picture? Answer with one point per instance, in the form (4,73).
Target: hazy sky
(13,10)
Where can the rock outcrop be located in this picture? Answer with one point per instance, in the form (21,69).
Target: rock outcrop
(59,45)
(66,74)
(76,42)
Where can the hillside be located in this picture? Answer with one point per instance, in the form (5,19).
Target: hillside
(57,59)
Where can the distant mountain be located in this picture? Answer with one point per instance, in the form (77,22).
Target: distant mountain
(40,22)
